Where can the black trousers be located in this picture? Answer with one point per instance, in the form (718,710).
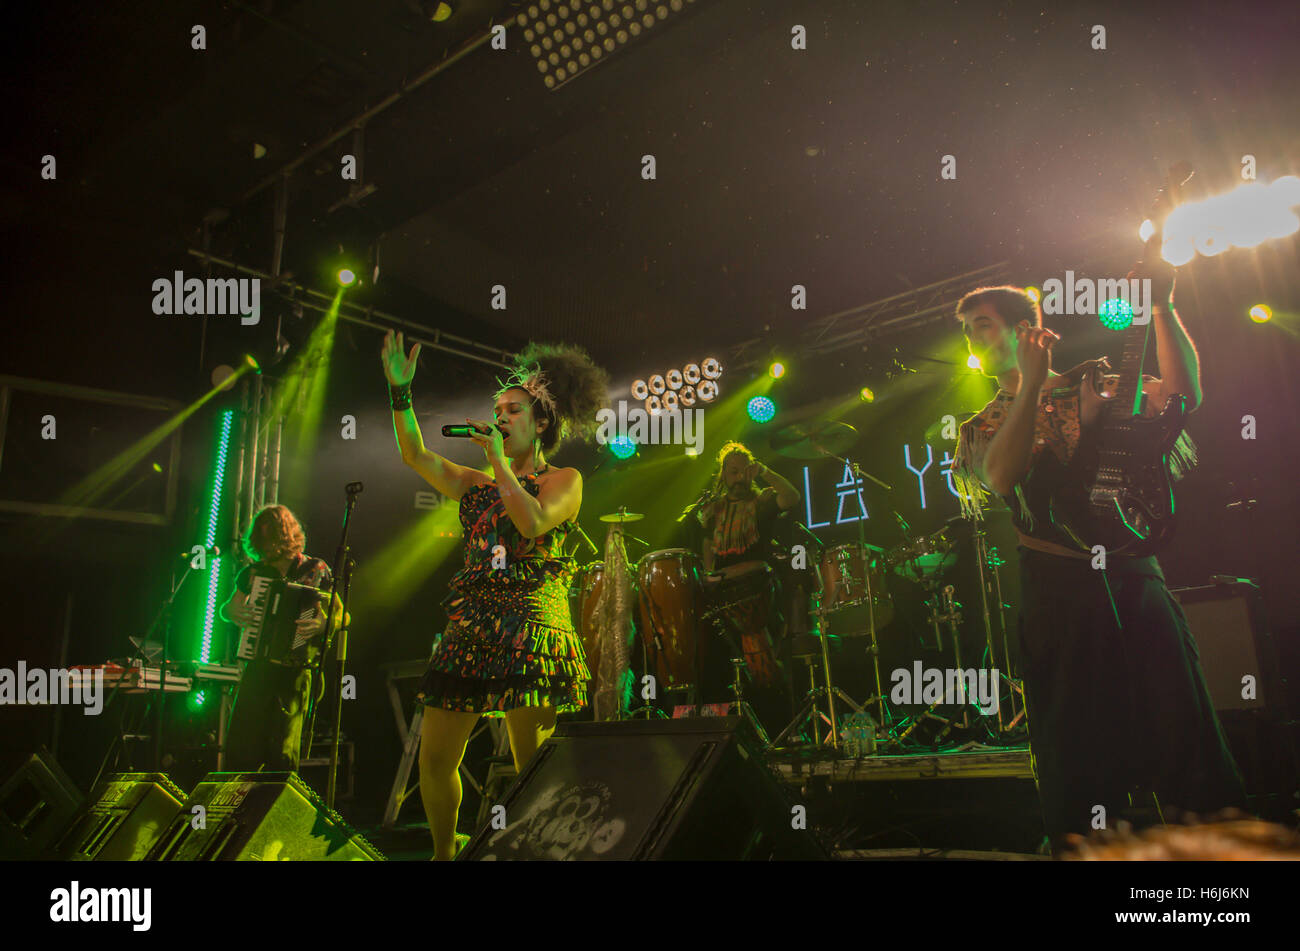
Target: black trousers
(1115,705)
(266,724)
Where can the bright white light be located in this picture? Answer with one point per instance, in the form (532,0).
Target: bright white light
(1147,230)
(1244,217)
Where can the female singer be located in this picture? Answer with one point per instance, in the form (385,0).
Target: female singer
(509,648)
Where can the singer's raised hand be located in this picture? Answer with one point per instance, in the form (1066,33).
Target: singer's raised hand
(399,368)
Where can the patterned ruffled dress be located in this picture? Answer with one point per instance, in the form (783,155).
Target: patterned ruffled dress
(509,640)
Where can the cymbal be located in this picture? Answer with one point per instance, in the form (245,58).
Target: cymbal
(814,440)
(622,517)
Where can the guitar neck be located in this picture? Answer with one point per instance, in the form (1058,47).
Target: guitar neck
(1128,395)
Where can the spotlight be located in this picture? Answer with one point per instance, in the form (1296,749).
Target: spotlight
(639,390)
(347,277)
(706,391)
(687,396)
(691,373)
(657,385)
(622,447)
(973,362)
(670,400)
(866,395)
(252,364)
(1261,313)
(761,409)
(653,405)
(1116,314)
(1034,294)
(1147,229)
(711,369)
(674,379)
(776,371)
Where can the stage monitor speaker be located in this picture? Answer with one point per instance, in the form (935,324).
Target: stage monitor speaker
(647,789)
(122,820)
(1225,622)
(36,804)
(259,817)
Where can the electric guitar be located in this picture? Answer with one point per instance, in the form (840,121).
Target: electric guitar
(1117,488)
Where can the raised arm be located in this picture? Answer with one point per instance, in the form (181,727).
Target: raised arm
(447,477)
(1011,449)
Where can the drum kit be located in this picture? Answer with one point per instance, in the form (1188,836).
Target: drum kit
(686,616)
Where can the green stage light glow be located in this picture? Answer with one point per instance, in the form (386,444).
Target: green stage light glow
(1116,314)
(347,277)
(1261,313)
(622,447)
(776,371)
(225,424)
(761,409)
(973,362)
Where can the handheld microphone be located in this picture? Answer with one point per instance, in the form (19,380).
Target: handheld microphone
(463,430)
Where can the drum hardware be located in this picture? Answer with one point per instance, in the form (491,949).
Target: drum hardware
(987,562)
(622,516)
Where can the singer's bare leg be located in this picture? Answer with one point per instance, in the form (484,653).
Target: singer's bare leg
(443,737)
(529,728)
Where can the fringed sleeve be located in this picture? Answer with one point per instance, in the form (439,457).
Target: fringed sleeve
(972,442)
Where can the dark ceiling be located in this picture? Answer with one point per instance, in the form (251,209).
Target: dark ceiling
(774,166)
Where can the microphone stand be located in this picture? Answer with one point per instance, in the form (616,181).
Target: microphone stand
(164,617)
(344,563)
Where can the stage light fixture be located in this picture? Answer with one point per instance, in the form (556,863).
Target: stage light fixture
(1116,314)
(711,369)
(639,390)
(622,447)
(657,385)
(653,405)
(674,379)
(973,362)
(707,391)
(1147,229)
(670,400)
(1261,313)
(761,409)
(1034,294)
(687,396)
(347,277)
(866,395)
(691,373)
(776,371)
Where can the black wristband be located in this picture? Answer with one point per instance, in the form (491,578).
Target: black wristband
(399,397)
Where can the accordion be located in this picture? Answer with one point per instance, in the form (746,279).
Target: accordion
(277,607)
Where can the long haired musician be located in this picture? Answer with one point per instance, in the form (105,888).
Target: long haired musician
(509,649)
(266,723)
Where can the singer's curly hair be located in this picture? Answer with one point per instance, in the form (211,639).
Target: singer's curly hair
(273,534)
(579,387)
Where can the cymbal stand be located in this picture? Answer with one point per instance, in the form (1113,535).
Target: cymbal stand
(816,692)
(987,562)
(882,715)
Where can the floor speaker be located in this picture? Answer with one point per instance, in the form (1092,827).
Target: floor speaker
(36,804)
(122,819)
(258,817)
(647,789)
(1232,643)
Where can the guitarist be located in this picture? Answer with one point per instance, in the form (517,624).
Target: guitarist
(1116,698)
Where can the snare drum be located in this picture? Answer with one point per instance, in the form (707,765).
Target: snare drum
(669,603)
(843,585)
